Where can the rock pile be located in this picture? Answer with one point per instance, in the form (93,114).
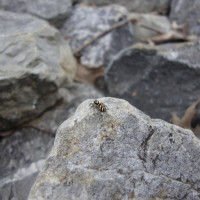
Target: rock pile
(50,51)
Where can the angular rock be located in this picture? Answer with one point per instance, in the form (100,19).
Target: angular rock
(53,11)
(119,154)
(35,61)
(87,22)
(141,6)
(186,12)
(159,80)
(22,156)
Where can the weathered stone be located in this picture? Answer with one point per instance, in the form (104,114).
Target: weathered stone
(157,80)
(149,25)
(87,22)
(35,60)
(53,11)
(141,6)
(186,12)
(119,154)
(22,156)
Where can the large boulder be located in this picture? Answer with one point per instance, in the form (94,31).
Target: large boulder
(141,6)
(119,154)
(86,22)
(35,61)
(186,12)
(53,11)
(158,80)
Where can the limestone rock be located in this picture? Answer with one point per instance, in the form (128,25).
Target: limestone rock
(35,61)
(119,154)
(53,11)
(186,12)
(141,6)
(158,80)
(86,22)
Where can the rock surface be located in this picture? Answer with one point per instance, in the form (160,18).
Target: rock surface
(141,6)
(183,11)
(157,80)
(53,11)
(86,22)
(35,60)
(23,153)
(22,156)
(119,154)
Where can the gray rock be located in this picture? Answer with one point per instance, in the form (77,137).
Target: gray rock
(186,12)
(159,80)
(87,22)
(53,11)
(119,154)
(22,156)
(35,61)
(141,6)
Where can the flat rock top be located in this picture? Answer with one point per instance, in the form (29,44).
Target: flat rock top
(119,154)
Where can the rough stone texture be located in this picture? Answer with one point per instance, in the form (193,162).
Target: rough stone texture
(22,156)
(184,11)
(86,22)
(50,10)
(141,6)
(157,80)
(160,24)
(35,60)
(120,154)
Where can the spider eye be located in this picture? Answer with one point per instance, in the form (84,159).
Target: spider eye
(96,101)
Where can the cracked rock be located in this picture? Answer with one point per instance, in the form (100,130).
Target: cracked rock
(119,154)
(35,61)
(87,22)
(159,80)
